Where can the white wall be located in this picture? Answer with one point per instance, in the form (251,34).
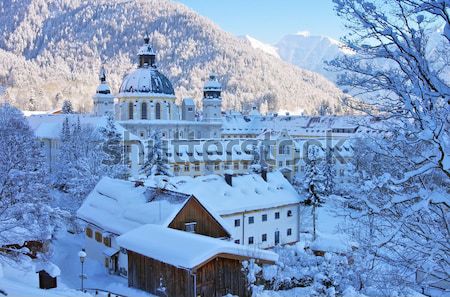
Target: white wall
(269,227)
(94,249)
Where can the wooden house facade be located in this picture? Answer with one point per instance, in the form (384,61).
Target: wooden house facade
(194,217)
(175,263)
(217,277)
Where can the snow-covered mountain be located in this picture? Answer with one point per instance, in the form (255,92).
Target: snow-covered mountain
(267,48)
(304,50)
(51,50)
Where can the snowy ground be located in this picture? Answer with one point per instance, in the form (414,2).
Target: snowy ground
(24,282)
(66,257)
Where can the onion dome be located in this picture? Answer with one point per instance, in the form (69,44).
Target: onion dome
(146,78)
(212,88)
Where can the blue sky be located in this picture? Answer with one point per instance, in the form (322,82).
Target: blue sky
(269,20)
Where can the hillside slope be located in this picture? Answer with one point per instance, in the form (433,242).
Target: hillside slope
(53,50)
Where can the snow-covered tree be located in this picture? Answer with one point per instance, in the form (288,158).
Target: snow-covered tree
(401,67)
(156,163)
(81,161)
(327,163)
(257,161)
(324,108)
(25,204)
(314,182)
(67,107)
(114,147)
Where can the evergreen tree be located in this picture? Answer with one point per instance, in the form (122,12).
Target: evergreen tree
(314,182)
(67,107)
(256,164)
(156,163)
(64,168)
(114,149)
(25,203)
(328,172)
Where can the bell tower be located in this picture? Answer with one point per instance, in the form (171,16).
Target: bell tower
(103,99)
(212,100)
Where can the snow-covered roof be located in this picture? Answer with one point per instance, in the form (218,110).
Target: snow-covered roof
(295,125)
(146,80)
(248,192)
(146,49)
(164,245)
(48,267)
(103,89)
(118,206)
(50,125)
(212,84)
(188,101)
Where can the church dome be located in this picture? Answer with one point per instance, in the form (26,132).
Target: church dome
(146,78)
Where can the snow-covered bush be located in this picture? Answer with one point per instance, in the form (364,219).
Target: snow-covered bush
(298,267)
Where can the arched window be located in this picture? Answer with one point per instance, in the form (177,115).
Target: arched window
(130,110)
(144,110)
(158,111)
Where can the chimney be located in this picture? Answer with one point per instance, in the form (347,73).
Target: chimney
(229,179)
(264,173)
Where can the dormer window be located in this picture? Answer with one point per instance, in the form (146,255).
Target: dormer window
(190,227)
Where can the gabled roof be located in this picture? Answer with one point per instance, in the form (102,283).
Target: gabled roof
(248,192)
(194,251)
(118,206)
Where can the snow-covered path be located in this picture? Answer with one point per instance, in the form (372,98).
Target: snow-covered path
(66,251)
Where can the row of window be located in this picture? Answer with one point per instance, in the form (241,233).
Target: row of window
(251,239)
(251,219)
(98,237)
(217,167)
(144,115)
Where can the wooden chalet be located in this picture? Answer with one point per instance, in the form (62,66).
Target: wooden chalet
(168,262)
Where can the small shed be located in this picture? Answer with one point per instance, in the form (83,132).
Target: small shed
(48,273)
(184,264)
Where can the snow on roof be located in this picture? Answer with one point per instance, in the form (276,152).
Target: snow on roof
(164,245)
(103,88)
(147,80)
(146,49)
(188,101)
(296,125)
(50,125)
(118,206)
(212,84)
(248,192)
(48,267)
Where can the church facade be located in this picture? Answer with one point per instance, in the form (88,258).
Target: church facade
(146,102)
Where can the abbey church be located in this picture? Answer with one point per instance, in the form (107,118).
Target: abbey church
(146,101)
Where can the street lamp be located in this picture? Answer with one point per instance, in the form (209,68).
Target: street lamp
(82,254)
